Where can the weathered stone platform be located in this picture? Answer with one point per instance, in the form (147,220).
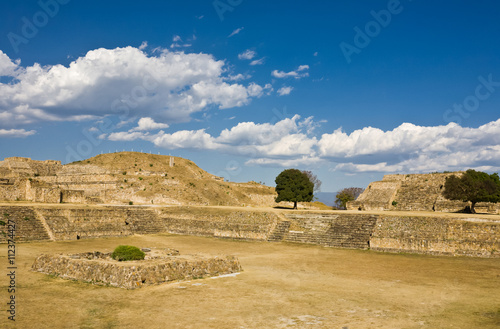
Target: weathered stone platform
(159,266)
(392,231)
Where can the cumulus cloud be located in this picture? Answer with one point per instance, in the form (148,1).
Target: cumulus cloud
(300,72)
(149,124)
(238,30)
(285,139)
(16,133)
(125,136)
(284,91)
(407,148)
(168,87)
(412,148)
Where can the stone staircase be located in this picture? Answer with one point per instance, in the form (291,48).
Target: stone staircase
(144,221)
(333,230)
(28,225)
(279,232)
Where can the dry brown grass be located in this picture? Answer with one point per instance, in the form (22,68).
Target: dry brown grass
(282,286)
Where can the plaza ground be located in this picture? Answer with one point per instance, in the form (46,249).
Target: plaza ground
(282,286)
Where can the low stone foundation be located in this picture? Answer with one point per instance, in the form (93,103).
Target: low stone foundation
(159,266)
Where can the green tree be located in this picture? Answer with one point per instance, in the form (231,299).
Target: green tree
(347,194)
(293,185)
(473,186)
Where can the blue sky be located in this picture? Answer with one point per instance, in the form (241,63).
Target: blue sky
(350,90)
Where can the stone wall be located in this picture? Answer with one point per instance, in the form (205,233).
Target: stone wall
(218,222)
(21,167)
(72,223)
(437,235)
(135,274)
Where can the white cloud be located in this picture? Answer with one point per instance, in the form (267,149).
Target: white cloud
(176,38)
(16,133)
(143,45)
(304,161)
(239,77)
(292,142)
(297,74)
(247,54)
(193,139)
(411,148)
(258,61)
(123,81)
(149,124)
(7,67)
(238,30)
(284,139)
(284,91)
(315,54)
(178,45)
(125,136)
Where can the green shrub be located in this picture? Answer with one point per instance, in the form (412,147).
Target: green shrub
(2,223)
(124,253)
(394,203)
(130,203)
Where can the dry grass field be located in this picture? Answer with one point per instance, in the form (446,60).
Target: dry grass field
(282,286)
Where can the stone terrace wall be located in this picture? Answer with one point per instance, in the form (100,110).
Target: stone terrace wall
(420,192)
(218,222)
(72,223)
(437,235)
(394,233)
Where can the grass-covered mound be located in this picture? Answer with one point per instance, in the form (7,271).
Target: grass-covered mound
(124,253)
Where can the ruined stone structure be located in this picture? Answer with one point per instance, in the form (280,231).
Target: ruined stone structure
(161,267)
(123,178)
(23,179)
(444,234)
(416,192)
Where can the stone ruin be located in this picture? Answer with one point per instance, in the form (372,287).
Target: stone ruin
(23,179)
(159,266)
(414,192)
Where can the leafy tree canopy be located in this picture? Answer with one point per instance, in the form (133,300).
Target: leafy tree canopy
(347,194)
(293,185)
(473,186)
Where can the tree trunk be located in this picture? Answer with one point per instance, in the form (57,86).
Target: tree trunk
(295,205)
(472,209)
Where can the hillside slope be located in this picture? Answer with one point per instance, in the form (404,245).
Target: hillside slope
(143,178)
